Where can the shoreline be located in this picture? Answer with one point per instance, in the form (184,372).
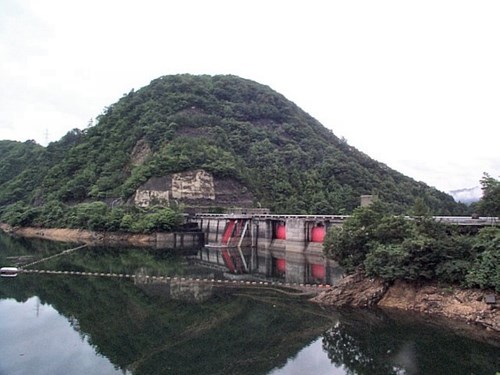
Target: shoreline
(429,299)
(357,290)
(159,240)
(79,235)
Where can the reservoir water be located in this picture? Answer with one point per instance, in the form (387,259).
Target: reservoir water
(73,324)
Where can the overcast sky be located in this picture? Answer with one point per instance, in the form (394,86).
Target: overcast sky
(413,84)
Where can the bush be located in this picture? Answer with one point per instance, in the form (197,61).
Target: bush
(53,214)
(393,247)
(485,271)
(158,219)
(453,271)
(350,243)
(387,261)
(19,214)
(90,216)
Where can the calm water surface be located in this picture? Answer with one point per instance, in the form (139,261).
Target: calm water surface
(63,324)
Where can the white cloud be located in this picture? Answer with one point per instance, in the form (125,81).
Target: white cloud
(467,195)
(414,85)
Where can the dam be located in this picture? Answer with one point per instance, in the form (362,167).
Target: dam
(289,247)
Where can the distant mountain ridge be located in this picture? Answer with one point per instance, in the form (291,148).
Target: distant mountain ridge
(467,195)
(231,132)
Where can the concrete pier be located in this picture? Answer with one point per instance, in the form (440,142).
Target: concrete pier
(297,232)
(294,231)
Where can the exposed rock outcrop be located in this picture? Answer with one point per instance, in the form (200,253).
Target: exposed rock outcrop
(190,185)
(468,305)
(354,291)
(140,153)
(464,304)
(196,187)
(193,185)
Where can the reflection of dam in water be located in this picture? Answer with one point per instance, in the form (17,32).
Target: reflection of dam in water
(276,263)
(177,289)
(284,247)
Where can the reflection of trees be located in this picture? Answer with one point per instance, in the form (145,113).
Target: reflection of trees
(246,333)
(20,247)
(365,342)
(358,354)
(149,333)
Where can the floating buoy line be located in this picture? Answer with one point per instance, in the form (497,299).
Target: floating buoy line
(182,279)
(13,271)
(65,252)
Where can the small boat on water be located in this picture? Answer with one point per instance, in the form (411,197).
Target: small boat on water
(9,271)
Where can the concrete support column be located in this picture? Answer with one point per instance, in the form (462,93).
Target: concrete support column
(295,230)
(295,234)
(263,233)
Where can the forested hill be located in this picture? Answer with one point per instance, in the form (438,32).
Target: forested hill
(236,130)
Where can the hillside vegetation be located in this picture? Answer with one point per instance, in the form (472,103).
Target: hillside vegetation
(396,248)
(228,126)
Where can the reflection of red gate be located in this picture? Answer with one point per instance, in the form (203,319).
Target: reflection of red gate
(227,260)
(233,260)
(318,271)
(279,266)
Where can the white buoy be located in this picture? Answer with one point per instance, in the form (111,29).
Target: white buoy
(9,271)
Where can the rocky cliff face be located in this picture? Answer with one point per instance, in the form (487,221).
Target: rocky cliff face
(464,304)
(140,153)
(467,305)
(193,187)
(353,291)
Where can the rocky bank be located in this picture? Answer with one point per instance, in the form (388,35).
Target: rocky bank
(467,305)
(80,235)
(357,290)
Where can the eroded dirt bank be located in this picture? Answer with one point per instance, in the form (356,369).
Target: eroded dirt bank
(466,305)
(80,235)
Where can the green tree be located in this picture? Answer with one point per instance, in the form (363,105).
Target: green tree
(396,247)
(53,214)
(19,214)
(90,216)
(387,261)
(489,205)
(485,271)
(420,208)
(350,243)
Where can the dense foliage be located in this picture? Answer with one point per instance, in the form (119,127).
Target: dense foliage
(22,167)
(226,125)
(489,205)
(96,216)
(397,247)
